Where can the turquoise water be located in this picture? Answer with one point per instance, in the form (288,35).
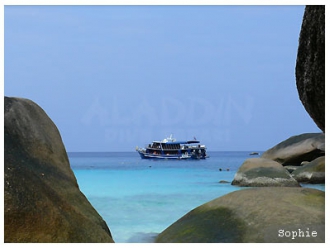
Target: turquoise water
(139,198)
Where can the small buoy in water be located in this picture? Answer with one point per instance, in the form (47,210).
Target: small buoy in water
(220,169)
(227,169)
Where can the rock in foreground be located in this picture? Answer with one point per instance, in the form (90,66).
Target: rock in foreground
(253,215)
(42,200)
(260,172)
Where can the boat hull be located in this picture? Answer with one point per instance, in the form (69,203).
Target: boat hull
(145,155)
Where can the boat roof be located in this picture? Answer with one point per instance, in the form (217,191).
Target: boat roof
(178,142)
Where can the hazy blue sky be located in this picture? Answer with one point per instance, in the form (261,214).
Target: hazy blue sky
(116,77)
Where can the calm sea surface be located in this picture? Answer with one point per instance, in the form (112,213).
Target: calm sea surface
(139,198)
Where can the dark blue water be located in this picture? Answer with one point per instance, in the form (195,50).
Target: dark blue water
(139,198)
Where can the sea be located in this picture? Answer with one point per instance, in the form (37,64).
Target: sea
(139,198)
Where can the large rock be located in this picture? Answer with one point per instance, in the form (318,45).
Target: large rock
(42,200)
(253,215)
(313,172)
(310,65)
(260,172)
(296,149)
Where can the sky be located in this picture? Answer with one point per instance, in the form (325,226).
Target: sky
(115,77)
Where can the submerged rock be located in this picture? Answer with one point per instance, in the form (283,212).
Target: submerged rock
(313,172)
(296,149)
(42,200)
(310,65)
(253,215)
(260,172)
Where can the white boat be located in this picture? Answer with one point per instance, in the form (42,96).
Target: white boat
(169,148)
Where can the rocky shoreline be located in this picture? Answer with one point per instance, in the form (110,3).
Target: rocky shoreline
(275,207)
(297,159)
